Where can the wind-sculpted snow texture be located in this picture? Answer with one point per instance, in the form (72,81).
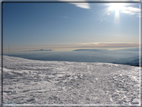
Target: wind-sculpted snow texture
(60,82)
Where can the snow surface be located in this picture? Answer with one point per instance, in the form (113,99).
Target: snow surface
(61,82)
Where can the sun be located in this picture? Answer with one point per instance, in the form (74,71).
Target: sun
(116,6)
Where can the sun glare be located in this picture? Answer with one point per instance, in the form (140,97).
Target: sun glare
(117,6)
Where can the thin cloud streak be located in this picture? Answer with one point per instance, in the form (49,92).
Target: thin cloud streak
(111,45)
(80,5)
(79,46)
(131,10)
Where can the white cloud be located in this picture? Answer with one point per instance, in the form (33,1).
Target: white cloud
(131,10)
(81,5)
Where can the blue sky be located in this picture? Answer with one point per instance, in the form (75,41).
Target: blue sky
(68,26)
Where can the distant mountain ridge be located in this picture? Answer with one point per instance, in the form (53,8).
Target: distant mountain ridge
(42,50)
(91,50)
(131,49)
(134,62)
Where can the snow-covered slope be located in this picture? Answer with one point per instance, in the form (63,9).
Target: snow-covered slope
(60,82)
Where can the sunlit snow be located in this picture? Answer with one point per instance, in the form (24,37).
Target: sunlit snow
(61,82)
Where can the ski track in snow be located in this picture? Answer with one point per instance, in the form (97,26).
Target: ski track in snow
(61,82)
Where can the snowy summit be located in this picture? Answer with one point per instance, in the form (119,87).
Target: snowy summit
(61,82)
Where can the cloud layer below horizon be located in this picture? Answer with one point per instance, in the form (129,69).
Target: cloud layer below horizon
(75,46)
